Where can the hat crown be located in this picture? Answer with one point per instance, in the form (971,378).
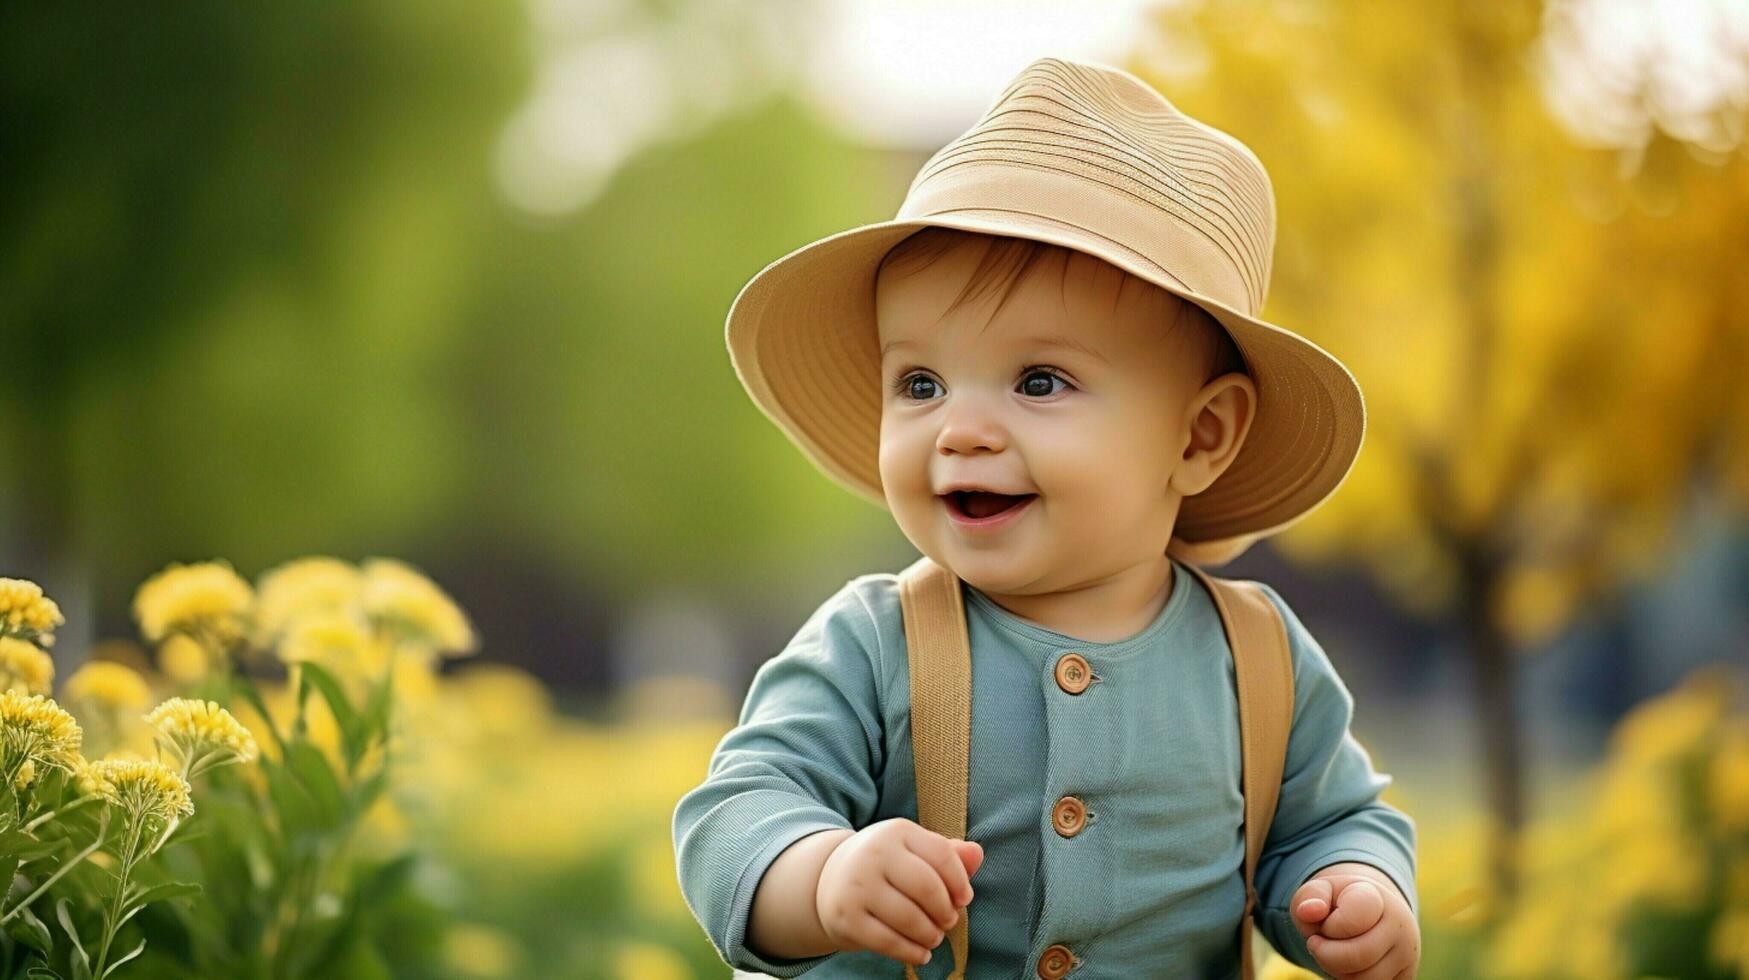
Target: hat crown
(1088,158)
(1097,148)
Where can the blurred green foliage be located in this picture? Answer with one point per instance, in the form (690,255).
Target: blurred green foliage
(260,296)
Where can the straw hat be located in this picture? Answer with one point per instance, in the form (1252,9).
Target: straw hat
(1092,158)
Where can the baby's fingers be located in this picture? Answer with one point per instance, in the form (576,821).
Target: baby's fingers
(1359,905)
(869,932)
(1345,956)
(920,888)
(1311,904)
(941,854)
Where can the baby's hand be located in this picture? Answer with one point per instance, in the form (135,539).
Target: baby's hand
(1359,925)
(896,888)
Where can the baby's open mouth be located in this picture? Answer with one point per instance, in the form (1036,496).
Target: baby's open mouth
(979,504)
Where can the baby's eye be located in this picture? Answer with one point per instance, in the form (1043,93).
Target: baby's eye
(1029,384)
(914,386)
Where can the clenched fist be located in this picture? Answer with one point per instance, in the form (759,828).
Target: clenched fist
(1358,924)
(895,888)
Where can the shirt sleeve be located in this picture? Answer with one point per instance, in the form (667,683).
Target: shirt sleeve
(803,758)
(1329,811)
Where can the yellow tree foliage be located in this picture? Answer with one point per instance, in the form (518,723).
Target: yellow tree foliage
(1550,336)
(1549,332)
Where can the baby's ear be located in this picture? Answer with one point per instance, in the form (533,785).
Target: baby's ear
(1219,418)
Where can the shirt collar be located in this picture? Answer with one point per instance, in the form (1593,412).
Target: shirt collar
(1183,581)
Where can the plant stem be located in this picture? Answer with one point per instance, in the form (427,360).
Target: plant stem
(43,818)
(82,855)
(111,922)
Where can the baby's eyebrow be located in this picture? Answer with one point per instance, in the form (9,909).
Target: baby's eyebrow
(1063,343)
(1067,343)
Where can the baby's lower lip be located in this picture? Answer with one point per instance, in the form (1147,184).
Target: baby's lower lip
(990,523)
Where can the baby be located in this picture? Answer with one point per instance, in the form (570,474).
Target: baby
(1049,369)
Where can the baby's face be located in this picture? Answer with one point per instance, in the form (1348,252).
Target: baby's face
(1077,396)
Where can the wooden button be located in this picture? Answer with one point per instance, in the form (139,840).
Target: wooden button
(1055,962)
(1069,816)
(1073,674)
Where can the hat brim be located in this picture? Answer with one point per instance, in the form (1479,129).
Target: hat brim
(803,340)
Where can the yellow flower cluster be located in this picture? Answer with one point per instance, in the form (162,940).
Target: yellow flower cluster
(183,659)
(1664,817)
(89,778)
(335,638)
(36,729)
(350,619)
(301,587)
(200,735)
(26,612)
(207,600)
(399,596)
(25,667)
(109,685)
(142,788)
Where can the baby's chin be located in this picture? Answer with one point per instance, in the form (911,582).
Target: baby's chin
(997,571)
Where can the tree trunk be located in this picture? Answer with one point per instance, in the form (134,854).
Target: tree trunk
(1501,734)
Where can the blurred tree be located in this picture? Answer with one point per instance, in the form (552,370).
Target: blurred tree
(1552,344)
(230,241)
(270,285)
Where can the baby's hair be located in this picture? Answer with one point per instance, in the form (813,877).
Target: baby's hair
(1007,259)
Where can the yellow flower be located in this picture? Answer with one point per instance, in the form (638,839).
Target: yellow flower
(89,778)
(1672,724)
(1729,942)
(300,587)
(25,612)
(144,789)
(36,729)
(648,961)
(1277,967)
(414,608)
(182,659)
(207,600)
(107,684)
(497,703)
(200,735)
(335,639)
(26,773)
(25,667)
(480,951)
(1728,777)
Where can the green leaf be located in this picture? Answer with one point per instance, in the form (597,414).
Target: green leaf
(360,960)
(26,846)
(385,879)
(376,713)
(160,892)
(244,686)
(344,714)
(368,791)
(292,800)
(30,930)
(43,972)
(137,950)
(331,691)
(38,849)
(80,962)
(311,768)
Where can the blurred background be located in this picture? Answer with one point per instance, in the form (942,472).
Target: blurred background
(446,281)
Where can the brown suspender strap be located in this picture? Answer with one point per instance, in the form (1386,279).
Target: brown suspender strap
(1263,666)
(940,653)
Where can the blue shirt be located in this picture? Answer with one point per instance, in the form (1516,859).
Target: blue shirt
(1152,885)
